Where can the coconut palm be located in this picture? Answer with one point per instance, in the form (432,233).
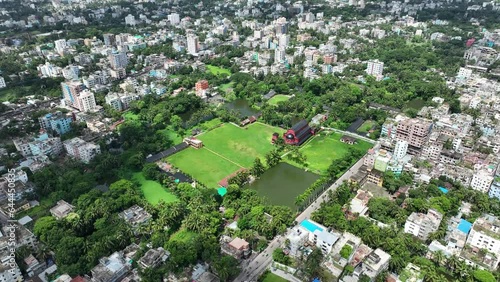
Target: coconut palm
(438,257)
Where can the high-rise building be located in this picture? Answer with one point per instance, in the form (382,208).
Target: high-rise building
(81,150)
(118,60)
(2,82)
(109,39)
(279,55)
(375,68)
(421,225)
(400,149)
(414,131)
(284,40)
(174,19)
(58,122)
(192,44)
(60,45)
(76,96)
(281,26)
(485,234)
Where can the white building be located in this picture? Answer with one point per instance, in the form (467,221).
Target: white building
(421,225)
(86,101)
(464,73)
(130,20)
(375,68)
(9,273)
(118,60)
(192,44)
(2,83)
(60,45)
(174,19)
(485,234)
(313,232)
(400,149)
(481,181)
(284,40)
(279,55)
(81,150)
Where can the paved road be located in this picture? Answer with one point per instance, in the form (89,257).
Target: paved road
(255,268)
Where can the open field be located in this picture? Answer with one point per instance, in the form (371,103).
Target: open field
(366,126)
(271,277)
(217,70)
(226,149)
(183,236)
(203,165)
(325,148)
(278,98)
(171,135)
(153,191)
(226,86)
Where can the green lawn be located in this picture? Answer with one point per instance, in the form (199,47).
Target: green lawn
(366,126)
(203,165)
(226,86)
(323,149)
(271,277)
(153,191)
(241,145)
(176,138)
(130,116)
(217,70)
(226,149)
(183,236)
(278,98)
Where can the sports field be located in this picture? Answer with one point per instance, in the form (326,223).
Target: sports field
(326,147)
(366,126)
(270,277)
(153,191)
(278,98)
(226,150)
(217,70)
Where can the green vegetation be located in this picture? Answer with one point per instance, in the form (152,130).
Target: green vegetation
(366,126)
(153,191)
(130,116)
(325,148)
(270,277)
(346,251)
(277,99)
(205,166)
(171,135)
(217,70)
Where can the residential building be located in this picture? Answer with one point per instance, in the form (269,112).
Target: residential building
(135,216)
(323,239)
(495,190)
(411,273)
(414,131)
(41,145)
(118,60)
(61,209)
(130,20)
(153,258)
(237,247)
(192,44)
(60,45)
(120,101)
(17,192)
(375,68)
(57,122)
(9,271)
(2,82)
(374,264)
(400,149)
(359,204)
(111,269)
(174,19)
(81,150)
(485,234)
(376,177)
(481,180)
(109,39)
(75,95)
(201,88)
(298,237)
(279,55)
(421,225)
(33,266)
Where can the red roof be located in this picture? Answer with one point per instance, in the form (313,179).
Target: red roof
(78,279)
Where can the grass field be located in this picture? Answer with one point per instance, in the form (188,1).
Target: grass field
(224,87)
(366,126)
(323,149)
(226,149)
(270,277)
(153,191)
(130,116)
(176,138)
(278,98)
(183,236)
(217,70)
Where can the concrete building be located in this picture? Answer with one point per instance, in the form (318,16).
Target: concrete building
(61,209)
(192,44)
(174,19)
(153,258)
(76,96)
(374,264)
(130,20)
(421,225)
(279,55)
(118,60)
(41,145)
(81,150)
(120,101)
(109,39)
(494,190)
(414,131)
(400,149)
(57,122)
(375,68)
(135,216)
(201,88)
(60,45)
(481,180)
(237,247)
(485,234)
(9,271)
(111,269)
(359,204)
(2,82)
(284,40)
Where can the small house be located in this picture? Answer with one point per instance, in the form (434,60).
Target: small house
(348,140)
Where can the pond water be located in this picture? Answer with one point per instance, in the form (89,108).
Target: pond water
(241,106)
(283,183)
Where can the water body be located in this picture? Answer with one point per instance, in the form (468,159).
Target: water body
(241,106)
(283,183)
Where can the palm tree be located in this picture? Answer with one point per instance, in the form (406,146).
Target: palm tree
(453,262)
(432,276)
(438,257)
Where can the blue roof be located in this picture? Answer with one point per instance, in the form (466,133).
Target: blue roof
(464,226)
(310,226)
(444,190)
(316,280)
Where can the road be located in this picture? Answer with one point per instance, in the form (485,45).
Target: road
(255,268)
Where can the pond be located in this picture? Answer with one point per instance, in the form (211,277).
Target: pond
(282,183)
(241,106)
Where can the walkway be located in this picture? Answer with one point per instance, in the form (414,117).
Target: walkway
(350,134)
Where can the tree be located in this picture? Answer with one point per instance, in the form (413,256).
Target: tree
(483,276)
(226,268)
(273,158)
(346,251)
(279,256)
(258,168)
(312,266)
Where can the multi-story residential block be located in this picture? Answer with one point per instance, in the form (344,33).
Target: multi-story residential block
(111,269)
(414,131)
(201,88)
(2,82)
(375,68)
(135,216)
(192,44)
(485,234)
(109,39)
(400,149)
(421,225)
(374,264)
(375,177)
(174,19)
(118,60)
(76,96)
(81,150)
(120,101)
(494,190)
(153,258)
(481,180)
(41,145)
(9,271)
(57,122)
(61,209)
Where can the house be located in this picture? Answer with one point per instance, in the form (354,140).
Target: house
(422,225)
(359,204)
(348,140)
(193,142)
(237,247)
(33,266)
(111,269)
(298,134)
(374,264)
(153,258)
(61,209)
(135,216)
(318,119)
(376,177)
(248,121)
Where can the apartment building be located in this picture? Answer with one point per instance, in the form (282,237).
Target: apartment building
(2,82)
(111,269)
(135,216)
(57,122)
(421,225)
(414,131)
(120,101)
(192,44)
(494,190)
(76,96)
(41,145)
(485,234)
(375,68)
(9,271)
(81,150)
(481,180)
(118,60)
